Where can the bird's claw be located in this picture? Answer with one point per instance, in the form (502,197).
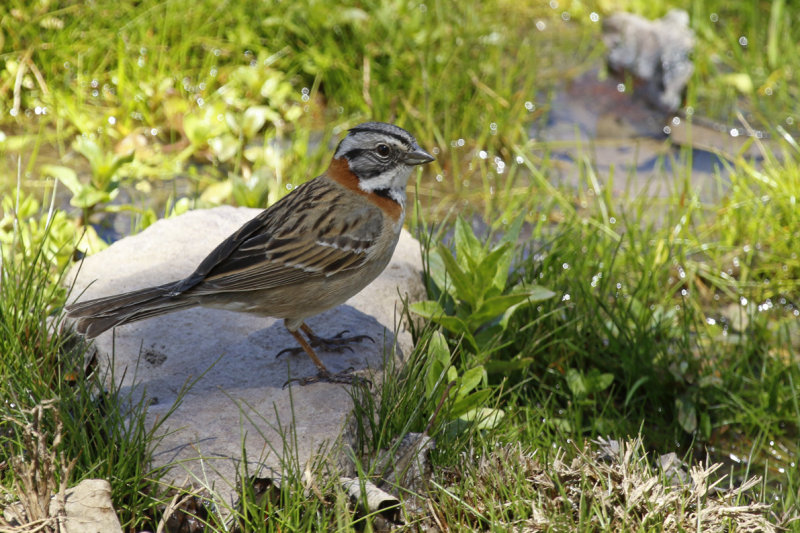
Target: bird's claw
(336,344)
(345,377)
(290,351)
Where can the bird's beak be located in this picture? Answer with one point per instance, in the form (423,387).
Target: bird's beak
(418,157)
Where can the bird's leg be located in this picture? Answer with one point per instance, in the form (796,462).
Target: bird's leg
(308,349)
(338,343)
(323,374)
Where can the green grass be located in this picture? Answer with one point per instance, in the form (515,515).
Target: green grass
(674,319)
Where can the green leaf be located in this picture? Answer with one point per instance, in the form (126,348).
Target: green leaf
(597,382)
(88,197)
(486,270)
(582,385)
(118,161)
(775,32)
(89,149)
(438,273)
(705,425)
(741,81)
(224,146)
(65,175)
(468,247)
(506,367)
(202,126)
(427,309)
(470,379)
(576,383)
(438,349)
(452,375)
(462,284)
(494,307)
(687,414)
(510,238)
(484,417)
(439,360)
(255,117)
(464,404)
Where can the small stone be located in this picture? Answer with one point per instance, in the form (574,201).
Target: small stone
(656,52)
(88,508)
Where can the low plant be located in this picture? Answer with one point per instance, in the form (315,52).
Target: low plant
(473,299)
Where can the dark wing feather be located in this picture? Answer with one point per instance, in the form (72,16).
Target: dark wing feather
(306,242)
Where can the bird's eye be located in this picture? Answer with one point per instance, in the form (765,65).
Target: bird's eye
(382,149)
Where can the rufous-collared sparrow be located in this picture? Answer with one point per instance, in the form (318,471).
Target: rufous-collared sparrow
(310,251)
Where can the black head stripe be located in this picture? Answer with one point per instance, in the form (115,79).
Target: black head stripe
(352,154)
(393,135)
(383,128)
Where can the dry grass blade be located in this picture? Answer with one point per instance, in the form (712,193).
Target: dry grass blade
(609,488)
(41,496)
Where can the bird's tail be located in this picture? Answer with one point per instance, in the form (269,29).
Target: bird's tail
(93,317)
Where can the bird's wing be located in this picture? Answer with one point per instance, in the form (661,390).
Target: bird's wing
(292,241)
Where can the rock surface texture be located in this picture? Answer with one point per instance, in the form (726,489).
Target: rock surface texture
(236,397)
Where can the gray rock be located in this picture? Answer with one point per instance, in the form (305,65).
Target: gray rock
(236,396)
(656,52)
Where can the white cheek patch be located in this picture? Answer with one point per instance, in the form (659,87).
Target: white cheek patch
(393,180)
(385,180)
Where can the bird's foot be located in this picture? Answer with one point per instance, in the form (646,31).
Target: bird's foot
(338,343)
(345,377)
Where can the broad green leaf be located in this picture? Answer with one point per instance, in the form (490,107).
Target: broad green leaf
(492,308)
(454,325)
(471,401)
(576,383)
(452,375)
(91,242)
(470,379)
(255,117)
(438,273)
(89,149)
(741,81)
(582,385)
(705,425)
(510,238)
(510,312)
(28,207)
(506,367)
(438,349)
(484,417)
(563,425)
(119,160)
(200,127)
(439,360)
(537,293)
(65,175)
(88,197)
(598,382)
(687,414)
(224,146)
(217,192)
(486,269)
(427,309)
(462,284)
(468,247)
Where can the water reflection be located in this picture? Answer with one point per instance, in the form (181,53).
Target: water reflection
(645,151)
